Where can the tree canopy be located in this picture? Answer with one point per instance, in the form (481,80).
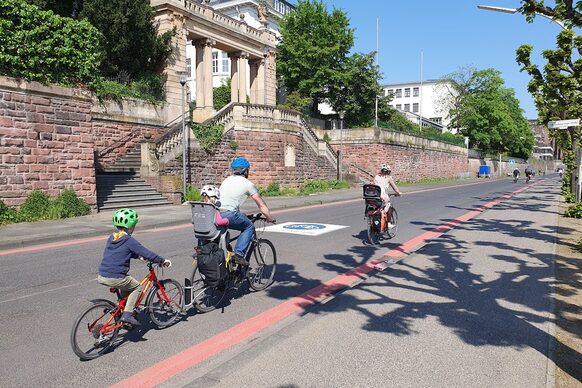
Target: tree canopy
(557,88)
(488,113)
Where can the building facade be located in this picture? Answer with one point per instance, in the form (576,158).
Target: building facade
(426,102)
(258,14)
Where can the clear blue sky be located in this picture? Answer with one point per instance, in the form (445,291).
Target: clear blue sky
(451,34)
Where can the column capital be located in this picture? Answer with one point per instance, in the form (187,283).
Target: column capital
(201,43)
(238,54)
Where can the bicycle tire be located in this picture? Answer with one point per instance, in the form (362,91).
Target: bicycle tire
(391,232)
(373,231)
(86,340)
(262,268)
(205,298)
(162,313)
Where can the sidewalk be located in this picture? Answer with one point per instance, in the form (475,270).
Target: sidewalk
(471,308)
(99,224)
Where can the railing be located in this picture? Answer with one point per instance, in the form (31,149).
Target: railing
(173,138)
(329,152)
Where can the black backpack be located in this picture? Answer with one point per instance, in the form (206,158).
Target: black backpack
(211,264)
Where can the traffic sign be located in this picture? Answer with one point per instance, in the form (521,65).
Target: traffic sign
(563,124)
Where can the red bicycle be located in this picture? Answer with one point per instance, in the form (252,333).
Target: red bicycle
(97,328)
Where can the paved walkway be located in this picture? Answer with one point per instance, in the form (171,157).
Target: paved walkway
(99,224)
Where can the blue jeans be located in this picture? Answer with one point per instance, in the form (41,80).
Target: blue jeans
(239,221)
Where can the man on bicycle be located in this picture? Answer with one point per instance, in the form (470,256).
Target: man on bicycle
(385,180)
(234,191)
(515,174)
(529,172)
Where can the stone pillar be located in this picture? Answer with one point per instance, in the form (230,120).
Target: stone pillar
(270,79)
(242,77)
(208,99)
(199,74)
(261,84)
(234,76)
(254,70)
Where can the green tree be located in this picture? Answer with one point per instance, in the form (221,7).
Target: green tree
(66,8)
(313,50)
(488,113)
(357,89)
(557,88)
(131,43)
(221,94)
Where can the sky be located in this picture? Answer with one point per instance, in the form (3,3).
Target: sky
(451,34)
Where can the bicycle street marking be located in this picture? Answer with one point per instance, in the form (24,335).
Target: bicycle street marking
(196,354)
(304,228)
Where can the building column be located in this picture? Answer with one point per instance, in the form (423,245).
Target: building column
(199,74)
(254,70)
(234,76)
(242,77)
(208,98)
(270,78)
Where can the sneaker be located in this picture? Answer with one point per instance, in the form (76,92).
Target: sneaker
(128,317)
(240,260)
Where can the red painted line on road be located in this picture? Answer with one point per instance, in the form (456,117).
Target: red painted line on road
(188,358)
(42,247)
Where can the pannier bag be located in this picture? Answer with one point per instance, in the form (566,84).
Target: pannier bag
(211,264)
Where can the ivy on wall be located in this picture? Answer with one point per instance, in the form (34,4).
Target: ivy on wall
(209,135)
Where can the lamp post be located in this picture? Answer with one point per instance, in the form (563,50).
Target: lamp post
(183,79)
(341,159)
(515,10)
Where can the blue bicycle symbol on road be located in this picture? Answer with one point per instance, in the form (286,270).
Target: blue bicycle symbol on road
(304,226)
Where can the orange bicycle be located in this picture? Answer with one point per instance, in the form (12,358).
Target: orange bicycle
(97,328)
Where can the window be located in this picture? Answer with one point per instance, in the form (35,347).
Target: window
(189,67)
(407,107)
(389,92)
(398,106)
(438,120)
(415,92)
(398,93)
(225,62)
(415,107)
(215,61)
(407,92)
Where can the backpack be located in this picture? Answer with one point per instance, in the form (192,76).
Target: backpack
(211,264)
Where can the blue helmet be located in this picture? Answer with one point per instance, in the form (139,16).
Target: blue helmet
(240,165)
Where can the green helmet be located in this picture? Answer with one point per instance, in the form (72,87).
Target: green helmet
(125,218)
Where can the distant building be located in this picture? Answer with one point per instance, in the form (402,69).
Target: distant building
(433,110)
(243,10)
(545,148)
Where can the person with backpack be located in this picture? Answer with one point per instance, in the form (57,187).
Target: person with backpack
(234,191)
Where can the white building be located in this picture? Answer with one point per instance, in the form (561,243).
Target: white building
(428,101)
(244,10)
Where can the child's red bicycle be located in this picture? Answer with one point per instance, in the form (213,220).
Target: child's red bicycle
(97,328)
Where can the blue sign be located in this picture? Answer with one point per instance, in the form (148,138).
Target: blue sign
(304,226)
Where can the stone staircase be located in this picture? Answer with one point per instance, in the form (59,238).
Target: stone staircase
(121,186)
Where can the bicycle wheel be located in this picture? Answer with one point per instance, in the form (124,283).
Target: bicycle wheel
(394,221)
(163,312)
(262,266)
(373,230)
(205,298)
(95,330)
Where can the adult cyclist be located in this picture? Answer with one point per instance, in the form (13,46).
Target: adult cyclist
(234,191)
(515,174)
(528,173)
(385,180)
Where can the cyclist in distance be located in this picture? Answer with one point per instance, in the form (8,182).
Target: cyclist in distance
(121,247)
(234,191)
(385,180)
(515,174)
(529,172)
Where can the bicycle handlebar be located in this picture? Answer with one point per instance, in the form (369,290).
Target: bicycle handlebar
(254,217)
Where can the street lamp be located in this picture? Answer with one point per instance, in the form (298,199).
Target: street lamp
(183,79)
(515,10)
(341,158)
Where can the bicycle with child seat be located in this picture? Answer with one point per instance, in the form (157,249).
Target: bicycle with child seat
(260,272)
(379,223)
(97,328)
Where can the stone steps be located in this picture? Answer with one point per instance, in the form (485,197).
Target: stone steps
(123,189)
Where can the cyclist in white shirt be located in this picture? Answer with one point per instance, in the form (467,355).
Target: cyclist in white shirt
(385,180)
(234,190)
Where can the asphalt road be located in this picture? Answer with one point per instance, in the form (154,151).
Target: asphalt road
(42,292)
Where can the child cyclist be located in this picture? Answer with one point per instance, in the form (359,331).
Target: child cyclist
(121,247)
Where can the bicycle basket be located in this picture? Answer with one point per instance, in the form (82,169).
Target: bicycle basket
(372,191)
(203,215)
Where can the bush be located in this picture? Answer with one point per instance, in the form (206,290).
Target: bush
(318,186)
(192,194)
(36,207)
(574,211)
(67,204)
(40,46)
(273,190)
(209,135)
(8,214)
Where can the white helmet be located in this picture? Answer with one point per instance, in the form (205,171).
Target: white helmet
(210,191)
(385,167)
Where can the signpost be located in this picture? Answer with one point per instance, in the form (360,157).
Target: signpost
(565,124)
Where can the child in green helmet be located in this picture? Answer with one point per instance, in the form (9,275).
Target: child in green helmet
(121,247)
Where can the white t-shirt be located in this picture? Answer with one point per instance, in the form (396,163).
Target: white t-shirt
(384,181)
(234,190)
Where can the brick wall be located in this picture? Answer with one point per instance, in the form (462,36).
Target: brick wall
(45,141)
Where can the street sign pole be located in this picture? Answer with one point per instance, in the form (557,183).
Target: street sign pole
(577,173)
